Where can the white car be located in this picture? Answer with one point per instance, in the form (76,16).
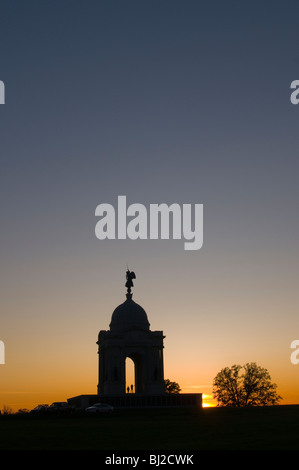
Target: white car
(100,408)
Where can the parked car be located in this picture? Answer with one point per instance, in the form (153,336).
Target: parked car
(100,408)
(60,407)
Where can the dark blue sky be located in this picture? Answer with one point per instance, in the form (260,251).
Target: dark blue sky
(161,101)
(182,102)
(185,101)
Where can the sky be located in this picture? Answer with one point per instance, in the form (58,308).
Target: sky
(183,102)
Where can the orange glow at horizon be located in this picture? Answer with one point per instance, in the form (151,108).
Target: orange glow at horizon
(46,363)
(46,392)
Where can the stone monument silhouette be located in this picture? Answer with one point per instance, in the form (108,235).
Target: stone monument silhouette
(130,336)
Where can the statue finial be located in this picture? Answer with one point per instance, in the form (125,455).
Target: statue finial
(129,276)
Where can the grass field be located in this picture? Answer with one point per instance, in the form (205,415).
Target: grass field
(262,428)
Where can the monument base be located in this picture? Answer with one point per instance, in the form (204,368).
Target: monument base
(132,400)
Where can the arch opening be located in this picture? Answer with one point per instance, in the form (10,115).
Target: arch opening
(130,375)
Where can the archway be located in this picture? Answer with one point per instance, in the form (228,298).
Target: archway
(130,375)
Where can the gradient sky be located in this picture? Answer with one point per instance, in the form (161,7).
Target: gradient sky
(161,101)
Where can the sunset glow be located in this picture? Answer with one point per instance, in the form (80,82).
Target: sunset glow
(148,103)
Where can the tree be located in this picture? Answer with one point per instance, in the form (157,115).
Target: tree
(253,387)
(171,387)
(23,411)
(7,410)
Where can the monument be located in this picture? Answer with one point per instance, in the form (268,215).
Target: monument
(130,336)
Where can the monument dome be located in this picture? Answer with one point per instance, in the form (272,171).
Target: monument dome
(129,316)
